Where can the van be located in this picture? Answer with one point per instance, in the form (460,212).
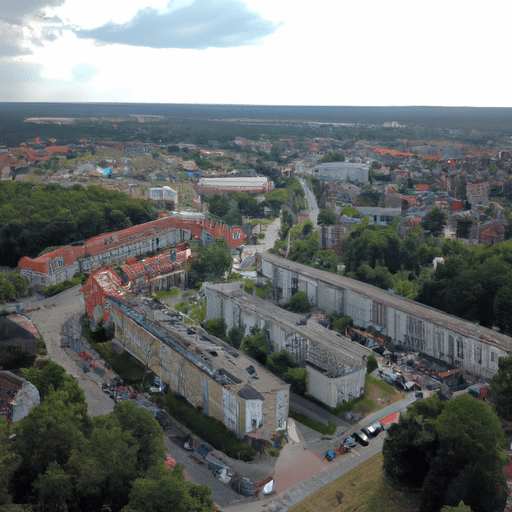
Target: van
(361,438)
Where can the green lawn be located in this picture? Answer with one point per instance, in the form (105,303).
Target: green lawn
(364,489)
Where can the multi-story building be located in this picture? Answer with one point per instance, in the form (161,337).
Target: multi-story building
(419,328)
(336,366)
(209,373)
(102,250)
(249,185)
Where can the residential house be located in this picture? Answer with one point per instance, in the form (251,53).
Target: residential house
(17,397)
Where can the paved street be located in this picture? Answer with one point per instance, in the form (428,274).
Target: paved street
(50,319)
(311,199)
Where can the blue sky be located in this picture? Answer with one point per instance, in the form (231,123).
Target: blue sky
(281,52)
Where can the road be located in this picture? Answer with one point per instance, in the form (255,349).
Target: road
(312,441)
(311,200)
(54,313)
(271,235)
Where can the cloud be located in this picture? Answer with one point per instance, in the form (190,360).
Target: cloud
(203,24)
(11,40)
(13,11)
(83,72)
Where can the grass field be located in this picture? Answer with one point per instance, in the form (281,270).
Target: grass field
(364,489)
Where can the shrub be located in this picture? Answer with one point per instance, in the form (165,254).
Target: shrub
(326,430)
(371,363)
(209,429)
(274,452)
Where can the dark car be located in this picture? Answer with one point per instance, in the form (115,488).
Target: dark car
(378,427)
(361,438)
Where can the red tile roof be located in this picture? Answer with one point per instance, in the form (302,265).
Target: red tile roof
(57,149)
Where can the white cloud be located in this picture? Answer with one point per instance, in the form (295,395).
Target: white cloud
(201,24)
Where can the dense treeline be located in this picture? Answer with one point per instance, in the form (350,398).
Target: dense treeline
(60,458)
(453,451)
(35,217)
(473,283)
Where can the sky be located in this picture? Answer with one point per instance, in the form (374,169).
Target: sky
(257,52)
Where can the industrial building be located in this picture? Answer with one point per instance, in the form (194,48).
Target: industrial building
(336,366)
(418,328)
(341,171)
(249,185)
(209,373)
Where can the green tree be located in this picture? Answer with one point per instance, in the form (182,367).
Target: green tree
(168,491)
(333,157)
(216,327)
(341,324)
(454,450)
(235,336)
(327,217)
(146,431)
(412,443)
(297,378)
(54,489)
(255,345)
(371,363)
(459,508)
(501,388)
(9,461)
(434,221)
(214,260)
(279,362)
(503,309)
(298,303)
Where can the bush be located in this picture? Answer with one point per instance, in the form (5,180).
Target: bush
(54,289)
(326,430)
(274,452)
(371,363)
(209,429)
(41,347)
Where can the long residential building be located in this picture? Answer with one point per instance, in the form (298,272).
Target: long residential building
(207,372)
(99,251)
(419,328)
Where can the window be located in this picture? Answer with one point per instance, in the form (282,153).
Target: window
(460,349)
(477,354)
(236,235)
(378,313)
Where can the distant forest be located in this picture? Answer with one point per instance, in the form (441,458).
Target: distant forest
(35,217)
(204,124)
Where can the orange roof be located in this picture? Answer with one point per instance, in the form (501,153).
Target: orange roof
(457,205)
(57,149)
(421,188)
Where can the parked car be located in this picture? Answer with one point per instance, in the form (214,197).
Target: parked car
(370,431)
(378,427)
(349,442)
(361,438)
(419,394)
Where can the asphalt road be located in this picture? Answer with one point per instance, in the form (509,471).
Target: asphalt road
(50,320)
(312,204)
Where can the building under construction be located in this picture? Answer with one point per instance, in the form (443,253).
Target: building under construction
(336,366)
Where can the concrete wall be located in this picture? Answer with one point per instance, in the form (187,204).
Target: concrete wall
(333,391)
